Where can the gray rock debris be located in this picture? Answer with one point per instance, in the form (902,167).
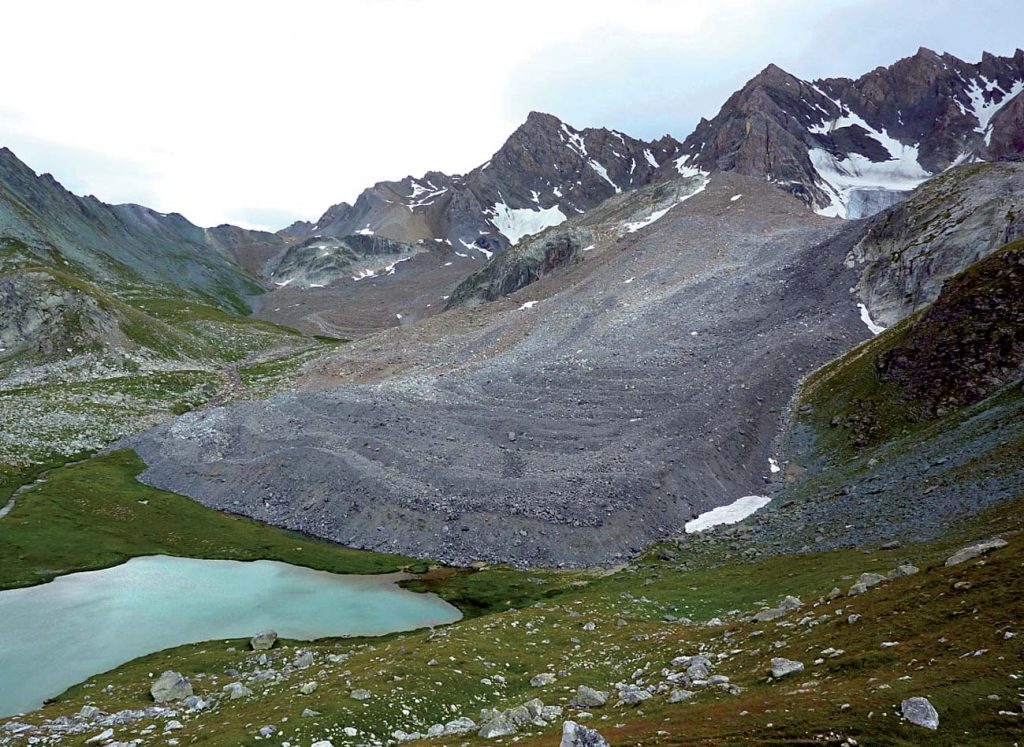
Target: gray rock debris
(542,680)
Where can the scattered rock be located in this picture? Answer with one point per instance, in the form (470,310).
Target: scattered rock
(865,582)
(577,735)
(587,697)
(920,711)
(360,694)
(901,571)
(976,550)
(308,688)
(303,660)
(633,695)
(268,731)
(170,686)
(237,690)
(263,641)
(543,679)
(679,696)
(784,667)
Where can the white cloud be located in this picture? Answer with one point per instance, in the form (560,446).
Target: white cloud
(227,111)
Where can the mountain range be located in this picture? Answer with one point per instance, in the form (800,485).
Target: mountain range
(718,441)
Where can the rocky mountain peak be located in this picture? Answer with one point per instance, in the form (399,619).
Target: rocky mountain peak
(851,147)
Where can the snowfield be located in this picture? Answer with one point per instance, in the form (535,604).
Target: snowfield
(515,223)
(734,512)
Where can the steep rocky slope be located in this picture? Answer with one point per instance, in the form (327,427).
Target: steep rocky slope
(641,386)
(852,147)
(950,222)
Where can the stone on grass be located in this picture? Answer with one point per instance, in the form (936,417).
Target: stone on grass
(976,550)
(679,696)
(587,697)
(784,667)
(461,725)
(496,724)
(360,694)
(902,570)
(921,712)
(865,582)
(237,690)
(543,679)
(303,660)
(577,735)
(263,641)
(633,695)
(170,686)
(308,688)
(323,743)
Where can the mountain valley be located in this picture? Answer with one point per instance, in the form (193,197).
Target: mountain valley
(716,440)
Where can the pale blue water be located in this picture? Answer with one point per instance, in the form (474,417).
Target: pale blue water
(55,635)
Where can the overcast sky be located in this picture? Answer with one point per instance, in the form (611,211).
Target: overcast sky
(260,113)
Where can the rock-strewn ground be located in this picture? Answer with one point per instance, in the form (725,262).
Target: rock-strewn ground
(646,385)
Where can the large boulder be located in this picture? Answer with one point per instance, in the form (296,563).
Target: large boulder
(577,735)
(974,551)
(170,686)
(587,697)
(264,641)
(920,711)
(785,667)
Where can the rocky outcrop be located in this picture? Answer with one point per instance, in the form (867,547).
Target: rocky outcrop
(966,344)
(533,258)
(170,686)
(320,261)
(945,226)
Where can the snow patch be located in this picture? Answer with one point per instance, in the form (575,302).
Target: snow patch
(773,465)
(865,316)
(365,231)
(477,247)
(734,512)
(734,198)
(603,173)
(515,223)
(650,157)
(528,305)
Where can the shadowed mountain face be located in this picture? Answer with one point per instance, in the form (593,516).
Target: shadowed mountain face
(544,173)
(853,147)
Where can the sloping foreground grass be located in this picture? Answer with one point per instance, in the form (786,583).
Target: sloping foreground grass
(946,631)
(96,514)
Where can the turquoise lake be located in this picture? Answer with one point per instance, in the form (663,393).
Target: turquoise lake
(61,633)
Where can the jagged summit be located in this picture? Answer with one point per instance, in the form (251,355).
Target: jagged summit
(851,147)
(545,171)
